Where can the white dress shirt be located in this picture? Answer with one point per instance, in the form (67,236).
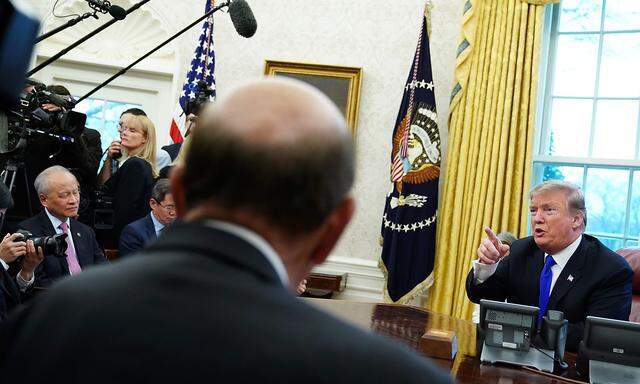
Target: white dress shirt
(482,272)
(56,225)
(258,242)
(157,226)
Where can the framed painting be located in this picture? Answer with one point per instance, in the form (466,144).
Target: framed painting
(340,84)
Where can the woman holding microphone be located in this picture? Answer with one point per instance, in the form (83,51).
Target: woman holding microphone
(130,184)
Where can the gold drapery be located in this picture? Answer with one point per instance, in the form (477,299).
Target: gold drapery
(489,152)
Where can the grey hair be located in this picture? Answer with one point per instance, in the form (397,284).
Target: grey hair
(161,188)
(42,182)
(575,196)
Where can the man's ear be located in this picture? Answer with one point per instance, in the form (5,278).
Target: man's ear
(578,220)
(177,190)
(43,199)
(332,229)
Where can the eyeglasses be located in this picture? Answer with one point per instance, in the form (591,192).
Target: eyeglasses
(168,207)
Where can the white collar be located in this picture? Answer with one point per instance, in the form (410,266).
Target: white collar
(258,242)
(56,222)
(157,225)
(562,258)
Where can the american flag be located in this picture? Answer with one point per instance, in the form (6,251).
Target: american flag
(202,68)
(400,165)
(410,214)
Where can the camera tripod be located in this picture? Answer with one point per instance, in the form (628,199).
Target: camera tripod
(11,170)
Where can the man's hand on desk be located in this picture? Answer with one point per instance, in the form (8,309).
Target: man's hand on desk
(491,249)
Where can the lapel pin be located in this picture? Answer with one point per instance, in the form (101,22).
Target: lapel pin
(570,278)
(79,235)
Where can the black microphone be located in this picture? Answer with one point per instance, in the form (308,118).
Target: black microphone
(105,6)
(115,162)
(242,18)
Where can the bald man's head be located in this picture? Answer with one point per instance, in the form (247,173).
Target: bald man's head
(275,147)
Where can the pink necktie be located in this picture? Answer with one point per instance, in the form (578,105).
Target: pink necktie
(72,259)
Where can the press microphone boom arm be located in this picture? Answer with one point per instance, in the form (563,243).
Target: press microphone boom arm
(64,26)
(167,41)
(83,39)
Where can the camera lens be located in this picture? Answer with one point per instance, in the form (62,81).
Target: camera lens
(52,245)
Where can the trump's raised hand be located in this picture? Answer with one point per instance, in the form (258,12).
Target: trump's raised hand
(491,249)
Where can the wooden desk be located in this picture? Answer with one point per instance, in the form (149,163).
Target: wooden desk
(407,324)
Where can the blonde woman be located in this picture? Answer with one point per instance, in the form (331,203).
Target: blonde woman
(131,184)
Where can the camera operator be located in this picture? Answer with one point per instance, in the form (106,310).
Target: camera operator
(81,157)
(132,182)
(59,194)
(11,248)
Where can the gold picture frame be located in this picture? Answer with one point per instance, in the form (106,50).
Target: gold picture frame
(340,84)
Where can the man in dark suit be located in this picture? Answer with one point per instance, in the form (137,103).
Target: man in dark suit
(59,195)
(558,268)
(12,247)
(138,234)
(264,196)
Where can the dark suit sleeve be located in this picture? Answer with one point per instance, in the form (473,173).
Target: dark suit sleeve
(130,241)
(496,287)
(98,255)
(611,299)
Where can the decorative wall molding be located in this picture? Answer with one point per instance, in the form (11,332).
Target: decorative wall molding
(117,45)
(365,281)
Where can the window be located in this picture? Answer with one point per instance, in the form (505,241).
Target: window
(103,116)
(590,129)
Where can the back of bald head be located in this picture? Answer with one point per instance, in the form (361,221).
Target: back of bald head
(277,148)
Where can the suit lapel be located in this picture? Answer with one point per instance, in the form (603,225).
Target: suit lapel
(49,230)
(151,229)
(571,273)
(47,227)
(535,263)
(79,244)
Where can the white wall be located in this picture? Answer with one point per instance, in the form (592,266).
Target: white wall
(378,36)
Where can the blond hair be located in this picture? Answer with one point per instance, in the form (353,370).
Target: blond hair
(147,151)
(575,197)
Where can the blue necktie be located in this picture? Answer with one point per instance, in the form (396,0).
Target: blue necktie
(545,287)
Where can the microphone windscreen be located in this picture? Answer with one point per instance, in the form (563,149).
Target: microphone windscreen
(117,12)
(242,18)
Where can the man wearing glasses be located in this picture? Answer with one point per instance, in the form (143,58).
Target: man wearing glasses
(138,234)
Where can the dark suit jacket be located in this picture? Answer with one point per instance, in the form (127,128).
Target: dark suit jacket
(199,305)
(600,285)
(173,149)
(136,236)
(131,188)
(9,293)
(52,267)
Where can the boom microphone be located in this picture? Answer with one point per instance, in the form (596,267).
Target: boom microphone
(105,6)
(242,18)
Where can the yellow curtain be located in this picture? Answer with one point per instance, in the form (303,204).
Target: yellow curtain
(489,152)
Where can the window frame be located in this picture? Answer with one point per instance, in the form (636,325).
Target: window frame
(545,97)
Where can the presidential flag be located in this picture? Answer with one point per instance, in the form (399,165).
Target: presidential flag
(202,68)
(409,219)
